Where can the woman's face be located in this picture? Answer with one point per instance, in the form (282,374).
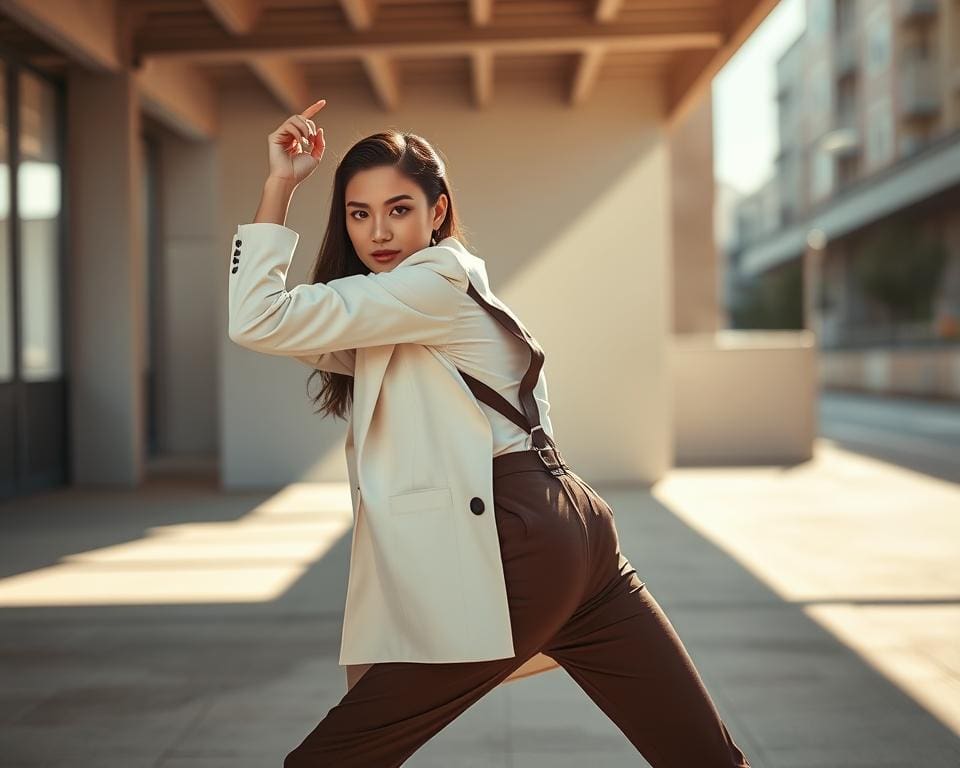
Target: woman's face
(386,211)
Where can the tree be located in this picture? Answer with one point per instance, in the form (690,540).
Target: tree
(901,271)
(772,300)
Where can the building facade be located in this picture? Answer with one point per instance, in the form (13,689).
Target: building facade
(868,104)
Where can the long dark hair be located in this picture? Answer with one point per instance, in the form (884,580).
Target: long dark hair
(413,156)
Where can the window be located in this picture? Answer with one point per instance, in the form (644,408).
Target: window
(38,188)
(821,18)
(878,42)
(822,174)
(819,101)
(846,17)
(6,259)
(879,133)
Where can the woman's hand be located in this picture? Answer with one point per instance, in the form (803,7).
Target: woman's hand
(296,147)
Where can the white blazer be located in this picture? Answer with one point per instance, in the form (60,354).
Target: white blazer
(426,580)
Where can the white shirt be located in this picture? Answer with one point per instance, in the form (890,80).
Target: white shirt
(485,349)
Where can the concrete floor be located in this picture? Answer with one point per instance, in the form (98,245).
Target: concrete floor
(181,627)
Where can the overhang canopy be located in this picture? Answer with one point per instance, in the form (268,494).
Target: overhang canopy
(188,46)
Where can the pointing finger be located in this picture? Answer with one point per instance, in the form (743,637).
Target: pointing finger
(314,108)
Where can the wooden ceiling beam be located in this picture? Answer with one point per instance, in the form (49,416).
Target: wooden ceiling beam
(458,40)
(285,81)
(238,17)
(606,11)
(481,12)
(686,84)
(384,79)
(279,74)
(181,96)
(360,13)
(481,70)
(90,34)
(585,75)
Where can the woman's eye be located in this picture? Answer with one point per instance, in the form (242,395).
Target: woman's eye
(353,215)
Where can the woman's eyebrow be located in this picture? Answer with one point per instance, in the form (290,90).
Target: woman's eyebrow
(385,202)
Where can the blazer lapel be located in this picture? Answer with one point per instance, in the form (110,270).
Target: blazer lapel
(368,378)
(371,362)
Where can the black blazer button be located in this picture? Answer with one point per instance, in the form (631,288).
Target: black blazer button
(476,505)
(238,243)
(236,252)
(234,269)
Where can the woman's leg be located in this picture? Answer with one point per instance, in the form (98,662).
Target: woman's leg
(395,707)
(638,672)
(620,647)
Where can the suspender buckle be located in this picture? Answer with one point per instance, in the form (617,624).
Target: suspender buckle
(558,468)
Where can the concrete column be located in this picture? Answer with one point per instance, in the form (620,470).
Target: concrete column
(693,252)
(191,276)
(106,278)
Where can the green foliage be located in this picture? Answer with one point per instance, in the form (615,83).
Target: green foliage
(900,271)
(771,301)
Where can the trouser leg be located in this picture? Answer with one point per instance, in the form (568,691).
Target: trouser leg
(393,710)
(624,652)
(395,707)
(639,673)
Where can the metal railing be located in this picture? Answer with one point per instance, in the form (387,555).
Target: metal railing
(909,10)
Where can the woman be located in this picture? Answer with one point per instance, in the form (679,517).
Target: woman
(445,600)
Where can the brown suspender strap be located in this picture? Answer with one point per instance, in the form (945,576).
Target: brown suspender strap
(495,400)
(529,419)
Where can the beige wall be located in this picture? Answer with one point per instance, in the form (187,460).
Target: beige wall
(187,374)
(760,403)
(570,208)
(694,256)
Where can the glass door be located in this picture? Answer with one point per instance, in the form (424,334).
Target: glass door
(33,394)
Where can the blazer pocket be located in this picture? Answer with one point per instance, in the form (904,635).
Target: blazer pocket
(426,574)
(421,501)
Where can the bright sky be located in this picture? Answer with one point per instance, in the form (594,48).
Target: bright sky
(744,101)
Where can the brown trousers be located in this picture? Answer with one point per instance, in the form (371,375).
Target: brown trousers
(573,597)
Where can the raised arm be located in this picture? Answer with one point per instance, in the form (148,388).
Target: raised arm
(418,301)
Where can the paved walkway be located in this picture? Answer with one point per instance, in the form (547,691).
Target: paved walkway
(180,627)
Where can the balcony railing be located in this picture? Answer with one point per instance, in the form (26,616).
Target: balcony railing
(843,138)
(917,10)
(911,143)
(864,336)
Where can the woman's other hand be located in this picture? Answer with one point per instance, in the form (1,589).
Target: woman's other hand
(296,147)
